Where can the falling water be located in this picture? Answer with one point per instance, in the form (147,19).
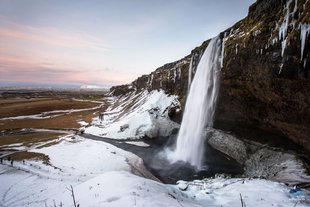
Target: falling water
(200,107)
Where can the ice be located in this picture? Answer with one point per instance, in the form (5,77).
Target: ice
(236,48)
(223,50)
(174,74)
(284,26)
(190,73)
(304,32)
(150,80)
(283,44)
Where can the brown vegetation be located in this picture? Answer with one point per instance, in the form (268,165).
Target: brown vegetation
(19,107)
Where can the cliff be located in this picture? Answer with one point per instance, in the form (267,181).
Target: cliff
(265,87)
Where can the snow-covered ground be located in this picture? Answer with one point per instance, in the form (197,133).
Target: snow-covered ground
(104,175)
(119,188)
(136,115)
(72,161)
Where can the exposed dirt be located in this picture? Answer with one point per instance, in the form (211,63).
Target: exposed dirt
(27,140)
(19,107)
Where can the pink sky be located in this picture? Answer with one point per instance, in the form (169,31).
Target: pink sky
(103,42)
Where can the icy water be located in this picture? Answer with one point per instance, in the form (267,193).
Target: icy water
(199,108)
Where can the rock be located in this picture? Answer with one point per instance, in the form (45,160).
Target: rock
(276,165)
(227,144)
(124,127)
(259,160)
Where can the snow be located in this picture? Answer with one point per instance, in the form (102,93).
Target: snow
(140,144)
(72,161)
(144,114)
(91,87)
(124,189)
(83,123)
(226,192)
(104,175)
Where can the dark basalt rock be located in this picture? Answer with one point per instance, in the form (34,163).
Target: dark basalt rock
(261,89)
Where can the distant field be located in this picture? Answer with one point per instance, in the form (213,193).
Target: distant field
(15,141)
(19,107)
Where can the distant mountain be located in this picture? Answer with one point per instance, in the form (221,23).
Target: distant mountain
(92,87)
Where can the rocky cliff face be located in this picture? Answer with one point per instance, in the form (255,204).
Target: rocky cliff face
(265,86)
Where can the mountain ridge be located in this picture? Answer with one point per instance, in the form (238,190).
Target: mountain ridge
(265,84)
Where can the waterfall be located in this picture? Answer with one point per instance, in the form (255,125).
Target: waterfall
(199,108)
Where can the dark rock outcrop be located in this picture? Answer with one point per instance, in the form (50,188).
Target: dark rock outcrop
(265,86)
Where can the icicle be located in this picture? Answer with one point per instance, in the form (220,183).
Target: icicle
(283,28)
(281,66)
(305,62)
(190,73)
(295,7)
(174,75)
(223,50)
(283,45)
(151,80)
(304,32)
(236,49)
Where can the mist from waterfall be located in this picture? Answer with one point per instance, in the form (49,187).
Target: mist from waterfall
(199,108)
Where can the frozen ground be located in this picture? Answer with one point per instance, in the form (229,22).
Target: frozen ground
(136,115)
(72,161)
(103,175)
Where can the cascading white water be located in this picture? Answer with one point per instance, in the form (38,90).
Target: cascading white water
(200,107)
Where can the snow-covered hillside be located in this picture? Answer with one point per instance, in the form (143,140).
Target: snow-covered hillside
(136,115)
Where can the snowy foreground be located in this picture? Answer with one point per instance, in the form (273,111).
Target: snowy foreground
(103,175)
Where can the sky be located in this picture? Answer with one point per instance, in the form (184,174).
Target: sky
(103,42)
